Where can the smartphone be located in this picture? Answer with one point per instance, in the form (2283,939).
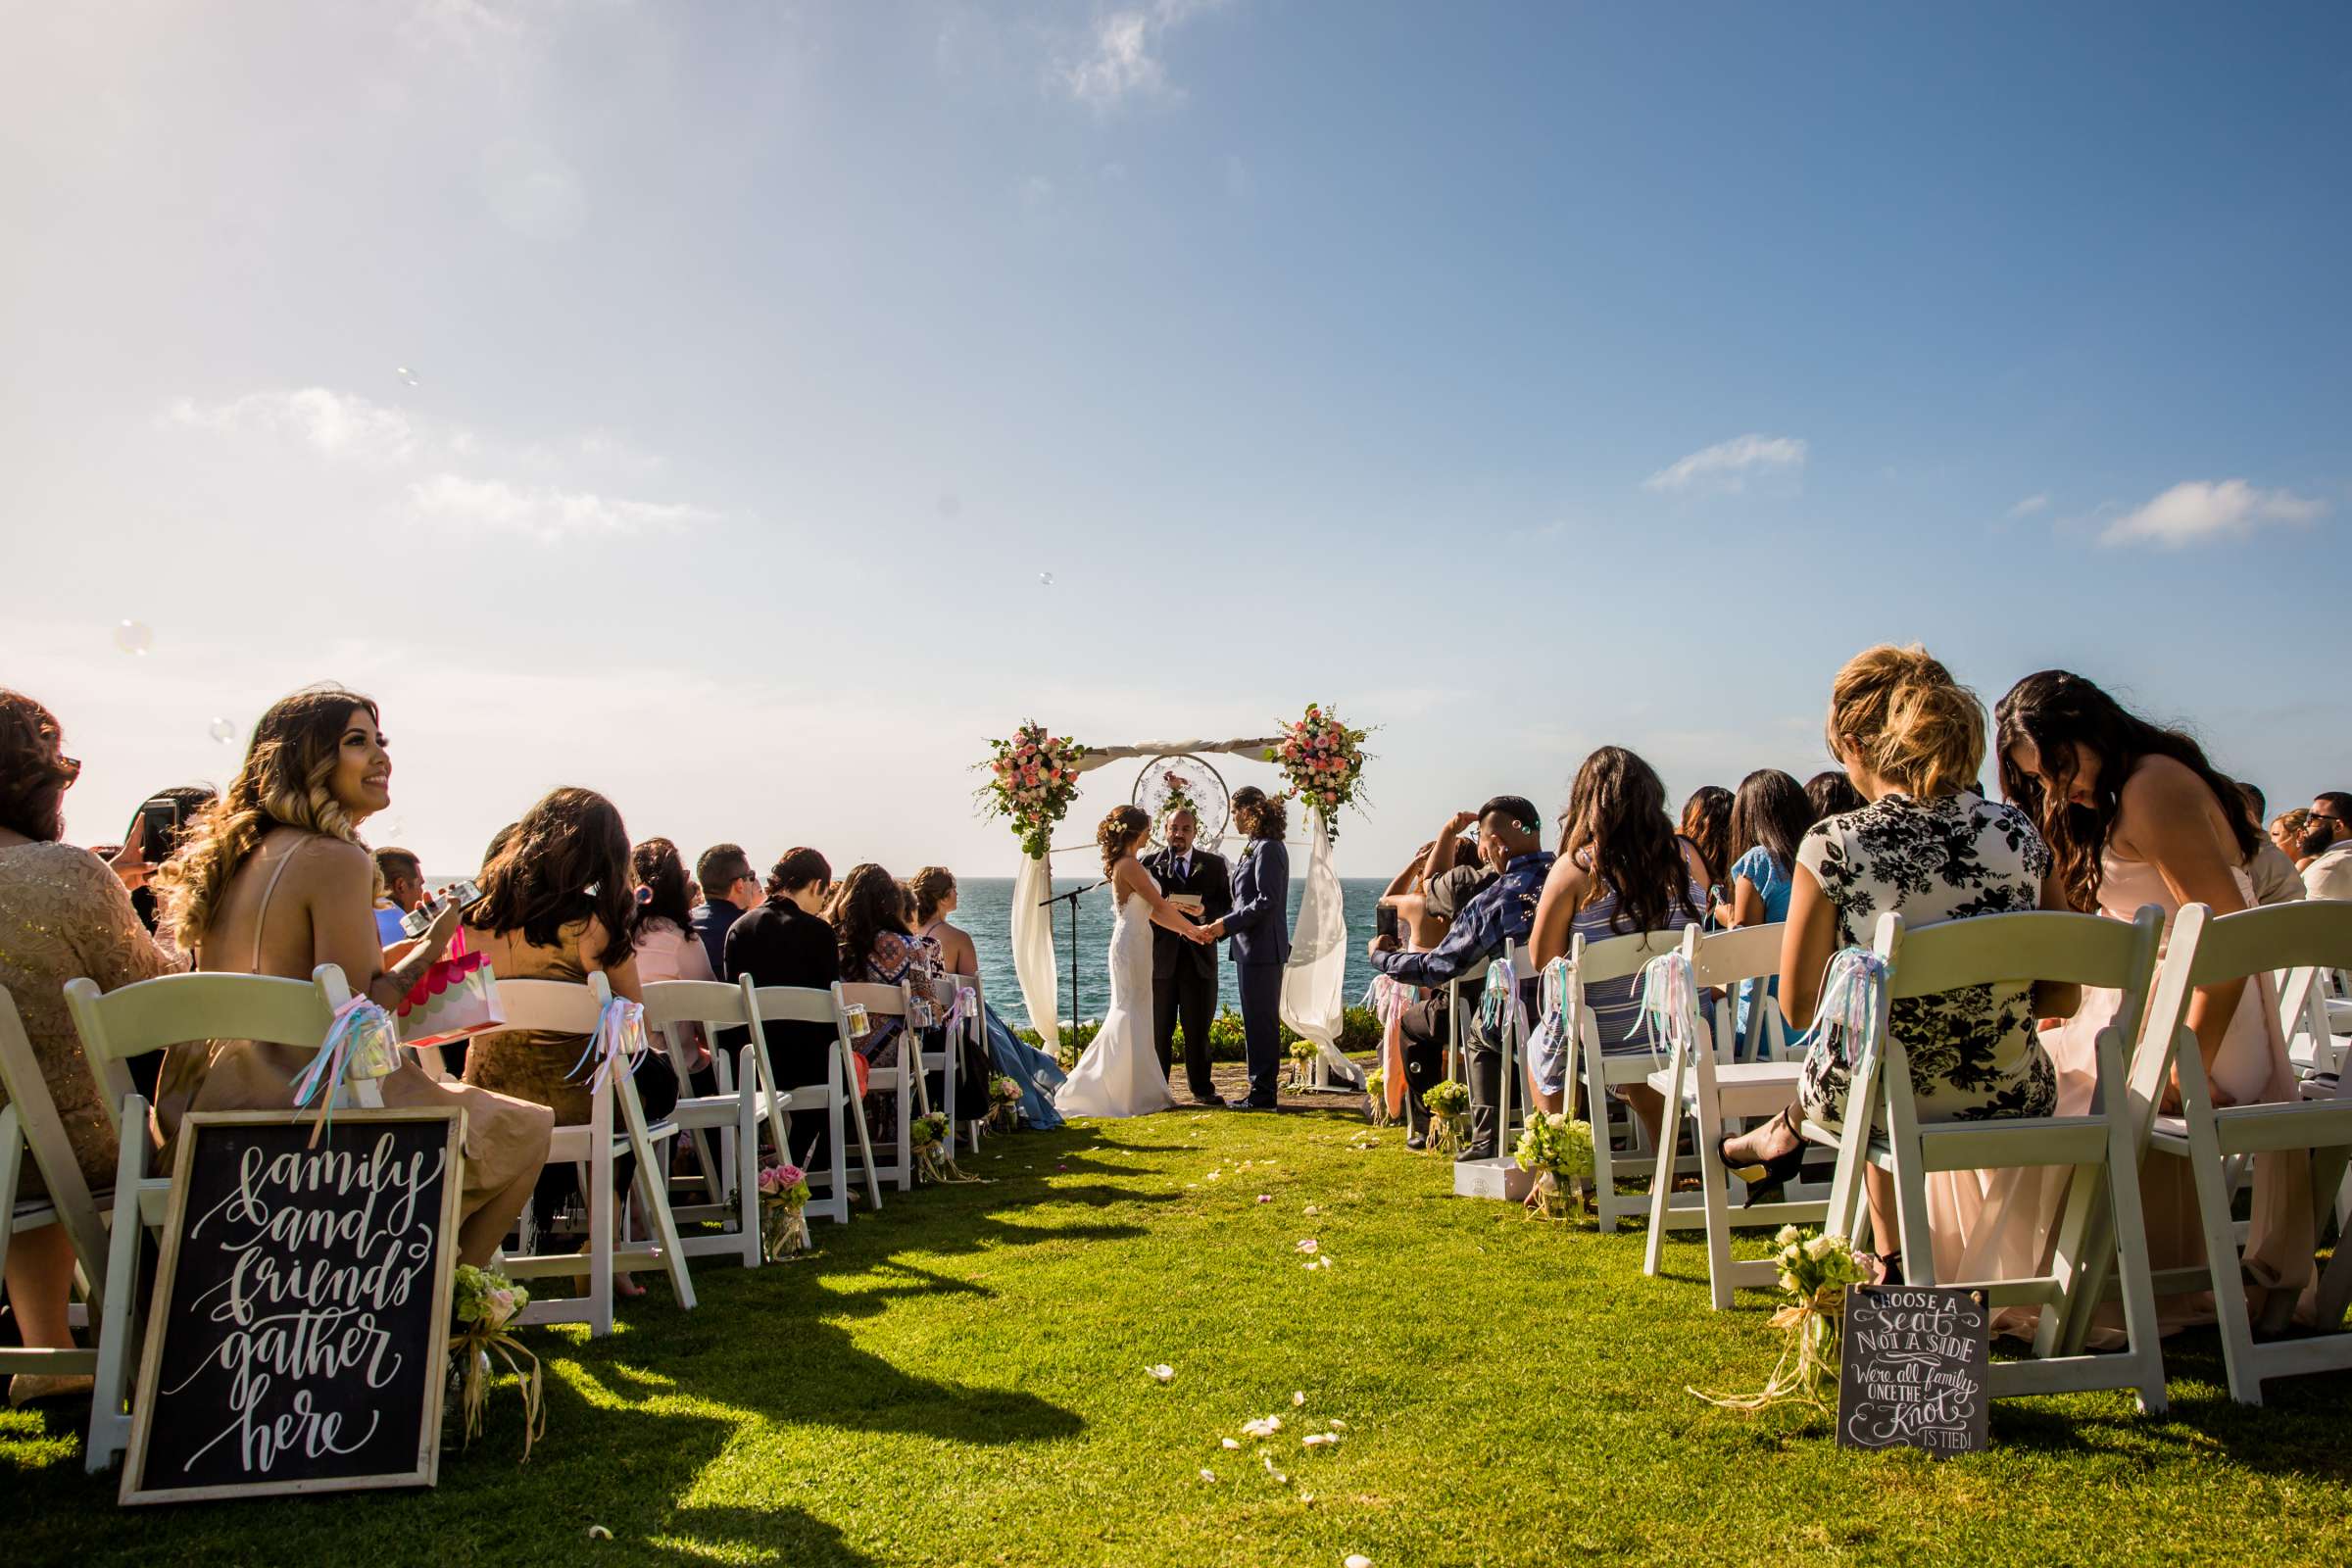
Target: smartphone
(1385,922)
(417,922)
(159,828)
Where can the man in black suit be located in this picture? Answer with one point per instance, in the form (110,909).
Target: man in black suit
(1183,975)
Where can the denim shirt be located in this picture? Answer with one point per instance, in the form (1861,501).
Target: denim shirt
(1503,913)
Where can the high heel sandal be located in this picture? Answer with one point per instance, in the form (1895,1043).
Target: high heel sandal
(1770,1172)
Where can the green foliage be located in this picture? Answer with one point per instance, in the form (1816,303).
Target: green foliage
(1359,1033)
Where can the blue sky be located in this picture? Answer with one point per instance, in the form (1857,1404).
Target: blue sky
(1517,378)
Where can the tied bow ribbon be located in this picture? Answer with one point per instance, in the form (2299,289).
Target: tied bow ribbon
(1387,998)
(359,1046)
(1853,998)
(1670,1006)
(960,1011)
(616,1045)
(1503,991)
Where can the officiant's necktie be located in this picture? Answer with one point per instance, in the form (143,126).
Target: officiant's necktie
(1184,868)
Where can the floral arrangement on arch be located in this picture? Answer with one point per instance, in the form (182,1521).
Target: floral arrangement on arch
(1322,760)
(1033,776)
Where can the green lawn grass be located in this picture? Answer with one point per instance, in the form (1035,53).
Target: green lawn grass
(960,1380)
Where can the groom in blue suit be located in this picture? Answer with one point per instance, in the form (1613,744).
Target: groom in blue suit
(1260,924)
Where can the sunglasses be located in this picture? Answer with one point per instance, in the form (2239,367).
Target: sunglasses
(69,767)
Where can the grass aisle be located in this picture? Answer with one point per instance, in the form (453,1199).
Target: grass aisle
(960,1380)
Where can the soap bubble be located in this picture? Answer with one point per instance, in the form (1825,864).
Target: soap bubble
(224,731)
(134,637)
(1045,579)
(405,373)
(395,831)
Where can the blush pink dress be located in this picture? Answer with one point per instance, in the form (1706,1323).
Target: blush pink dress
(2002,1224)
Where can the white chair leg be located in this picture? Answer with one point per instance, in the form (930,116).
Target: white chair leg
(118,1322)
(1662,1182)
(746,1180)
(600,1202)
(1715,1184)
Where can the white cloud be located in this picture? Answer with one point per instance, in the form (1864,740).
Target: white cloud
(2202,509)
(2039,501)
(335,424)
(545,512)
(1118,64)
(1727,464)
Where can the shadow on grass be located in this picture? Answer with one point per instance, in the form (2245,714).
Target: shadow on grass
(705,1534)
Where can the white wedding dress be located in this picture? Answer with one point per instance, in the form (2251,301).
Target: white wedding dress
(1119,1075)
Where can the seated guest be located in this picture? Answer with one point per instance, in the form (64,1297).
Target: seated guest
(2327,847)
(273,880)
(2136,815)
(403,877)
(665,945)
(1927,848)
(66,914)
(2286,832)
(1036,1073)
(786,942)
(1832,794)
(556,906)
(1768,818)
(1487,924)
(2276,880)
(1708,828)
(1620,870)
(731,890)
(1450,871)
(878,949)
(191,799)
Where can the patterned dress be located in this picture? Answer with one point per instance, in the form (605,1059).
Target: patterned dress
(1974,1055)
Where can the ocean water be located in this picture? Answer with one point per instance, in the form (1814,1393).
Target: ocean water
(986,912)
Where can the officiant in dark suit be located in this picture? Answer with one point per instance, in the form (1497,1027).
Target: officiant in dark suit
(1183,975)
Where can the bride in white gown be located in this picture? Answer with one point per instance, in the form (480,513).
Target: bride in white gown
(1119,1075)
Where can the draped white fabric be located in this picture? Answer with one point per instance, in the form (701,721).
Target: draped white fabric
(1097,755)
(1033,946)
(1312,997)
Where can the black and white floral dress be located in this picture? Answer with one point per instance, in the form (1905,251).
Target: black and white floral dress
(1974,1054)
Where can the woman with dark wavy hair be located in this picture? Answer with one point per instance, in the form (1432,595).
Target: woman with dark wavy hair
(1622,868)
(2136,814)
(275,880)
(1708,828)
(1769,816)
(665,943)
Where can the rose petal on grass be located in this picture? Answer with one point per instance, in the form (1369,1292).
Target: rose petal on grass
(1229,1442)
(598,1532)
(1264,1198)
(1320,1439)
(1312,1209)
(1206,1474)
(1265,1426)
(1163,1372)
(1309,1245)
(1337,1425)
(1357,1560)
(1298,1398)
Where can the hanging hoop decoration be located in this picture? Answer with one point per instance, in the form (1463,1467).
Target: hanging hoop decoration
(1184,782)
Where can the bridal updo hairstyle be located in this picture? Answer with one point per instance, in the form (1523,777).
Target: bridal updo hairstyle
(33,783)
(2057,712)
(871,902)
(1257,815)
(1121,831)
(295,746)
(1914,726)
(567,860)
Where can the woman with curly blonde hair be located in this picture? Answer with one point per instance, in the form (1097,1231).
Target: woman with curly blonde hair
(273,880)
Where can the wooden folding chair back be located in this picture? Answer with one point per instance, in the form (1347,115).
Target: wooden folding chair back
(2205,952)
(152,1015)
(2102,1210)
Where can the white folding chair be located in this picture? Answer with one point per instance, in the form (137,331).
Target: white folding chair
(131,1021)
(2207,951)
(975,1027)
(940,994)
(903,1082)
(1712,1091)
(1521,970)
(837,1097)
(555,1006)
(1882,1129)
(2306,1016)
(730,1118)
(1588,966)
(30,1126)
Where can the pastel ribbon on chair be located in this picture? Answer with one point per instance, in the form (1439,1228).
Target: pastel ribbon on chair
(1387,1000)
(616,1045)
(1853,997)
(360,1045)
(1551,1037)
(1670,1006)
(1503,991)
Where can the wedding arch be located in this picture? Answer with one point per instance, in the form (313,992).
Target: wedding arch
(1034,778)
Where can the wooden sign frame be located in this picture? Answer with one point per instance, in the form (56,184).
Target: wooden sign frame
(426,1471)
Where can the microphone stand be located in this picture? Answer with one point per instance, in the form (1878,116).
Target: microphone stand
(1071,898)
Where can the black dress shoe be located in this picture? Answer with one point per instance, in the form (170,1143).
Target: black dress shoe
(1475,1152)
(1416,1142)
(1213,1102)
(1255,1104)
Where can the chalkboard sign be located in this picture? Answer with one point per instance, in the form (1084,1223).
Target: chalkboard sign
(1913,1369)
(298,1335)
